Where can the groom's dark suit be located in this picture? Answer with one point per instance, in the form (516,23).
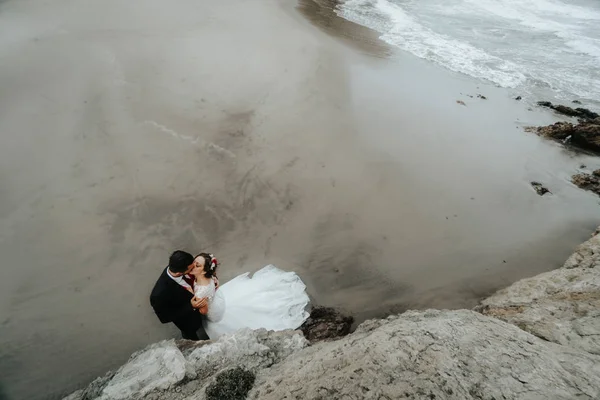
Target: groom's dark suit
(171,303)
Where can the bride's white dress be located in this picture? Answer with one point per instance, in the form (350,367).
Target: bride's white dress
(272,299)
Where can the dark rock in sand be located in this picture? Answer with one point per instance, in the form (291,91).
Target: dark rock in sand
(480,96)
(579,112)
(589,182)
(462,103)
(566,111)
(518,98)
(233,384)
(585,135)
(587,114)
(539,188)
(326,323)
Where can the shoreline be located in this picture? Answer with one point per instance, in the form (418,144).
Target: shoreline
(392,71)
(319,150)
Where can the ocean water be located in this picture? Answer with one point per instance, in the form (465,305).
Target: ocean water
(540,48)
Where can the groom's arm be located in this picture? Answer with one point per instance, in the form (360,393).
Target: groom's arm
(193,306)
(182,312)
(165,311)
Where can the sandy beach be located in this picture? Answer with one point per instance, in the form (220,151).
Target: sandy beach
(263,131)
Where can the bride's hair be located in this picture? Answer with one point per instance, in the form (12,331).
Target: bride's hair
(210,264)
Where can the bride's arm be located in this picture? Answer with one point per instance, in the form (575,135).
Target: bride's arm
(202,292)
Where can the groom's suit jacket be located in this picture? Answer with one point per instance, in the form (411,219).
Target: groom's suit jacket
(171,302)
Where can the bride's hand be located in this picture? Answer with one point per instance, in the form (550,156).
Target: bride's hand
(199,303)
(203,310)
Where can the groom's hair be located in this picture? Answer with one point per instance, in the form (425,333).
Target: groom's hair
(180,261)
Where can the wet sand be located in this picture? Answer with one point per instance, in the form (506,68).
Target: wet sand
(266,133)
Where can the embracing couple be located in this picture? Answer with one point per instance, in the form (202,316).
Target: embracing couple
(188,294)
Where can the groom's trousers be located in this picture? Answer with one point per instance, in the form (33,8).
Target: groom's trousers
(191,327)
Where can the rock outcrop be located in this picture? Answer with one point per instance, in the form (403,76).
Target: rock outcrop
(177,370)
(433,355)
(419,354)
(326,323)
(589,182)
(585,135)
(537,339)
(578,112)
(560,306)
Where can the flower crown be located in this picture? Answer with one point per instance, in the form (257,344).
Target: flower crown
(213,262)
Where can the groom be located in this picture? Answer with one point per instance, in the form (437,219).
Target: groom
(171,300)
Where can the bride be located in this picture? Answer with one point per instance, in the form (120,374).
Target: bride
(272,299)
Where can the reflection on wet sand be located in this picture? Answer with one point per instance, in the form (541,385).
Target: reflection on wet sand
(132,129)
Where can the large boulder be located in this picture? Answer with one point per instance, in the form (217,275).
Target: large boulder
(178,370)
(252,350)
(433,355)
(158,367)
(561,306)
